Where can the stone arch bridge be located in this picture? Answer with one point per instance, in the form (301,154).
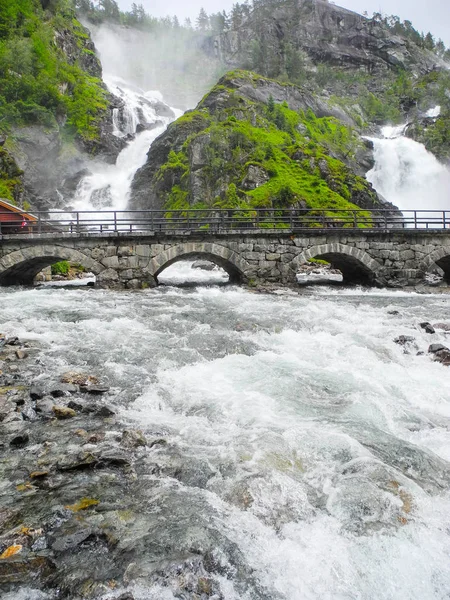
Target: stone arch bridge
(134,261)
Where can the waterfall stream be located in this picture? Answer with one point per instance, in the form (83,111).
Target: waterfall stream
(144,116)
(406,174)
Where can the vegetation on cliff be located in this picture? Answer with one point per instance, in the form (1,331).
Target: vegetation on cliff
(235,152)
(41,82)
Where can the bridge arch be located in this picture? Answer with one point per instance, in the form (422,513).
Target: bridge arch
(21,266)
(355,264)
(441,258)
(230,261)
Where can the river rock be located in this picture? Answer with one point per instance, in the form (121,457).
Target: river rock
(59,390)
(104,411)
(37,392)
(443,356)
(29,414)
(69,536)
(132,438)
(21,354)
(81,379)
(433,348)
(428,327)
(63,412)
(20,440)
(95,389)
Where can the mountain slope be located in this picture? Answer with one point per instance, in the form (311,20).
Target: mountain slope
(253,142)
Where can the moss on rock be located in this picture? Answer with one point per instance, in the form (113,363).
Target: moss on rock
(234,151)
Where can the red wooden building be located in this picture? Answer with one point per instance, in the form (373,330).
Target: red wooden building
(14,219)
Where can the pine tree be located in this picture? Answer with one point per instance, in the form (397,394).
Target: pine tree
(202,22)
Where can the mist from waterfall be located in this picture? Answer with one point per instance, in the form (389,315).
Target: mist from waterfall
(406,174)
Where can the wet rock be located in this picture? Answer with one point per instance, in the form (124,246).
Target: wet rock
(63,389)
(12,341)
(63,412)
(442,356)
(104,411)
(404,339)
(158,442)
(25,568)
(393,312)
(29,414)
(113,457)
(433,348)
(132,438)
(80,406)
(428,327)
(37,392)
(21,354)
(6,407)
(77,378)
(44,406)
(82,460)
(38,474)
(69,537)
(8,518)
(20,440)
(96,437)
(94,389)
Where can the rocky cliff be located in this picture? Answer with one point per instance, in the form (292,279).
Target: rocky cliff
(254,142)
(326,33)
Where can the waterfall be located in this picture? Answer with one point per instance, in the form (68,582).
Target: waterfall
(406,174)
(143,116)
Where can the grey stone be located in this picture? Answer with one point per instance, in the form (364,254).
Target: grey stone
(428,327)
(433,348)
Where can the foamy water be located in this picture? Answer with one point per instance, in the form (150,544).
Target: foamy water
(325,447)
(406,174)
(108,186)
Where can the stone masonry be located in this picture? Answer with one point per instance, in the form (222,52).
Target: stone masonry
(133,261)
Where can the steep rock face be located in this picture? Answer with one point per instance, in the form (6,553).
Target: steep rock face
(253,142)
(55,112)
(327,34)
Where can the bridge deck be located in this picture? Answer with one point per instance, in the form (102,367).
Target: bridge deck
(231,222)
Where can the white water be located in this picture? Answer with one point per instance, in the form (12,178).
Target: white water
(433,113)
(108,187)
(407,175)
(302,409)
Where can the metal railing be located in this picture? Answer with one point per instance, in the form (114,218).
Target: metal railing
(225,221)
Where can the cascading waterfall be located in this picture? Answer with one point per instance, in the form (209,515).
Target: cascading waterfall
(108,186)
(406,174)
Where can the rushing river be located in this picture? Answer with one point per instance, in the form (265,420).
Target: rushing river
(315,452)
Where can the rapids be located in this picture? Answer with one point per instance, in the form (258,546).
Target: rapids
(315,452)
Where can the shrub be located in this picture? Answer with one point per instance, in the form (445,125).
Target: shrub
(61,268)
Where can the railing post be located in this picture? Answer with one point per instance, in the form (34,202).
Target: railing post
(443,219)
(291,219)
(39,223)
(115,221)
(415,219)
(355,220)
(78,222)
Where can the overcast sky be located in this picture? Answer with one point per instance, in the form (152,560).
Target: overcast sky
(426,15)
